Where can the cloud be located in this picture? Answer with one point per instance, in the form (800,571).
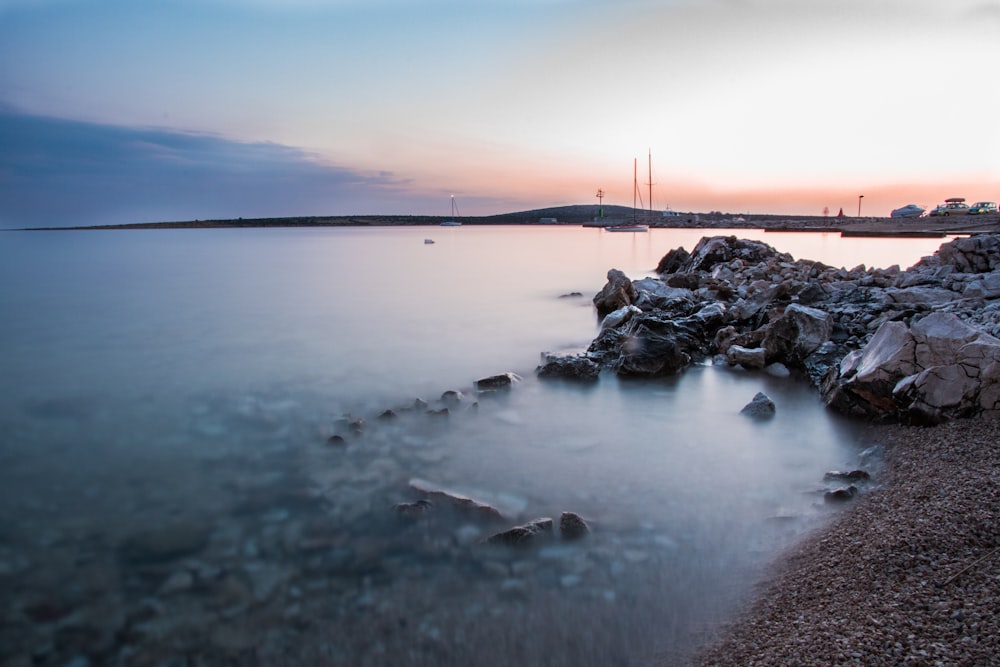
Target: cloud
(56,172)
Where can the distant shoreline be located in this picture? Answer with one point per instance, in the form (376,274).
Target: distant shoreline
(586,215)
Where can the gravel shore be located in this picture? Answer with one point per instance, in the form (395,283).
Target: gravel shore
(910,575)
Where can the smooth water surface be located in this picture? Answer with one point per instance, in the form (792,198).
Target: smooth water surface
(168,494)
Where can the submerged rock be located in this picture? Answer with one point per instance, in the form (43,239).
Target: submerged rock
(523,535)
(761,407)
(840,495)
(457,501)
(852,476)
(572,526)
(415,510)
(501,381)
(180,538)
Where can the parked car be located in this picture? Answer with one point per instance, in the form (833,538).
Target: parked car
(953,206)
(983,207)
(908,211)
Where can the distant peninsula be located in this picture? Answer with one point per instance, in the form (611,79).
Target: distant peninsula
(591,215)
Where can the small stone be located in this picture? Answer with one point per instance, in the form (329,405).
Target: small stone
(840,495)
(572,526)
(178,582)
(164,543)
(451,397)
(761,407)
(852,476)
(414,510)
(502,381)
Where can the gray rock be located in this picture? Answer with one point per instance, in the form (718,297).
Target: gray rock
(760,407)
(617,293)
(852,476)
(651,353)
(797,333)
(458,501)
(524,535)
(501,381)
(415,510)
(618,317)
(938,368)
(778,370)
(748,358)
(652,293)
(572,526)
(571,367)
(840,495)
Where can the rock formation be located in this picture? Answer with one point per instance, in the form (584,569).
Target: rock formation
(914,345)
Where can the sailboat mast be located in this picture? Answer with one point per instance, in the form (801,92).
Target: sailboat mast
(635,184)
(650,184)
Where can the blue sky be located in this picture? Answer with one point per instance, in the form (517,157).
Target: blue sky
(114,111)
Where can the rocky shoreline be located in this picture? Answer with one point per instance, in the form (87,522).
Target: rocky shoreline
(884,344)
(907,576)
(904,576)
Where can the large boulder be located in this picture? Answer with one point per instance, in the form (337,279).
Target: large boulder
(672,261)
(936,369)
(797,333)
(751,358)
(713,250)
(618,317)
(650,346)
(654,293)
(617,293)
(974,254)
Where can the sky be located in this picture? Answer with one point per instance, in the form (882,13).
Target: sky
(115,111)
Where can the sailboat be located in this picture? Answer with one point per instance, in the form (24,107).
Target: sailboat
(636,226)
(453,222)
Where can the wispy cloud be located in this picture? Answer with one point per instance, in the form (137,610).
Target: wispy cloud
(56,172)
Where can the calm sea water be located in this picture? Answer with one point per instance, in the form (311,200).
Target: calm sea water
(151,377)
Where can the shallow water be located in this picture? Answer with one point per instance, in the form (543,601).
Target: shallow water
(189,380)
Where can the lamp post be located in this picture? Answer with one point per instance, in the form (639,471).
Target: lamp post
(600,202)
(860,197)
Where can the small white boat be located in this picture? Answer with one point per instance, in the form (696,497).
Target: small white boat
(635,226)
(428,241)
(627,228)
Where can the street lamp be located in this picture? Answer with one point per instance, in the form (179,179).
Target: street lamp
(860,197)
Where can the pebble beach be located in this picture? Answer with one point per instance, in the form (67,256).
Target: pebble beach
(907,575)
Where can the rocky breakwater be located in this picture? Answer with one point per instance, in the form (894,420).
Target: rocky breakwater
(915,345)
